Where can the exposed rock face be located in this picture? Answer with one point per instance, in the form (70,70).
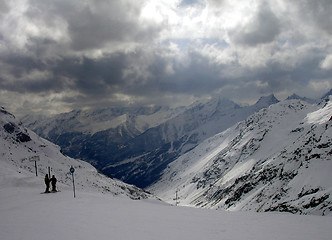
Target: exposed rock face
(23,137)
(20,136)
(9,127)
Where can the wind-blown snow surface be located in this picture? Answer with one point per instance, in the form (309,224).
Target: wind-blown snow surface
(96,214)
(278,159)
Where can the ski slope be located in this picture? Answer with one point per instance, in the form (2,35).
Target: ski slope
(27,214)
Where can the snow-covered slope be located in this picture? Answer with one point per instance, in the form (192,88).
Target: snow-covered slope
(26,214)
(18,144)
(278,159)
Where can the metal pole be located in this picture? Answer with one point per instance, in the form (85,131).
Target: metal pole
(49,172)
(36,168)
(72,170)
(72,174)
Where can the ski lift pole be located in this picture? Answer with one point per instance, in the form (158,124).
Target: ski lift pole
(72,170)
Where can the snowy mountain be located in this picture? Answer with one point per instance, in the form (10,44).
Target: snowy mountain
(265,101)
(93,121)
(136,144)
(141,160)
(18,144)
(278,159)
(27,214)
(96,135)
(297,97)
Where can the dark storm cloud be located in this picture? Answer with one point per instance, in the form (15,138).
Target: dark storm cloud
(93,24)
(18,68)
(198,77)
(263,28)
(52,58)
(93,77)
(103,78)
(278,77)
(91,30)
(97,52)
(17,65)
(318,13)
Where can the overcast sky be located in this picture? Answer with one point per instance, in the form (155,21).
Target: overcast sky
(57,55)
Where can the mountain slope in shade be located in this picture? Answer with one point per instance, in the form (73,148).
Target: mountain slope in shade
(279,159)
(18,144)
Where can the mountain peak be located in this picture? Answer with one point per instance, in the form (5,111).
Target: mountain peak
(297,97)
(327,94)
(225,101)
(294,96)
(266,101)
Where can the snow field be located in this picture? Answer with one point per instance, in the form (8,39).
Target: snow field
(27,214)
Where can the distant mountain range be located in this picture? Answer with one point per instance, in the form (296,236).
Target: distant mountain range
(136,144)
(271,156)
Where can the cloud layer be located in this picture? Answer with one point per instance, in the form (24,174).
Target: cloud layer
(59,55)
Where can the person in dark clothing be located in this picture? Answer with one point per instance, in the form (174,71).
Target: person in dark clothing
(47,183)
(53,181)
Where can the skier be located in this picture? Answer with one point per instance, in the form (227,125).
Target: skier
(53,181)
(47,183)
